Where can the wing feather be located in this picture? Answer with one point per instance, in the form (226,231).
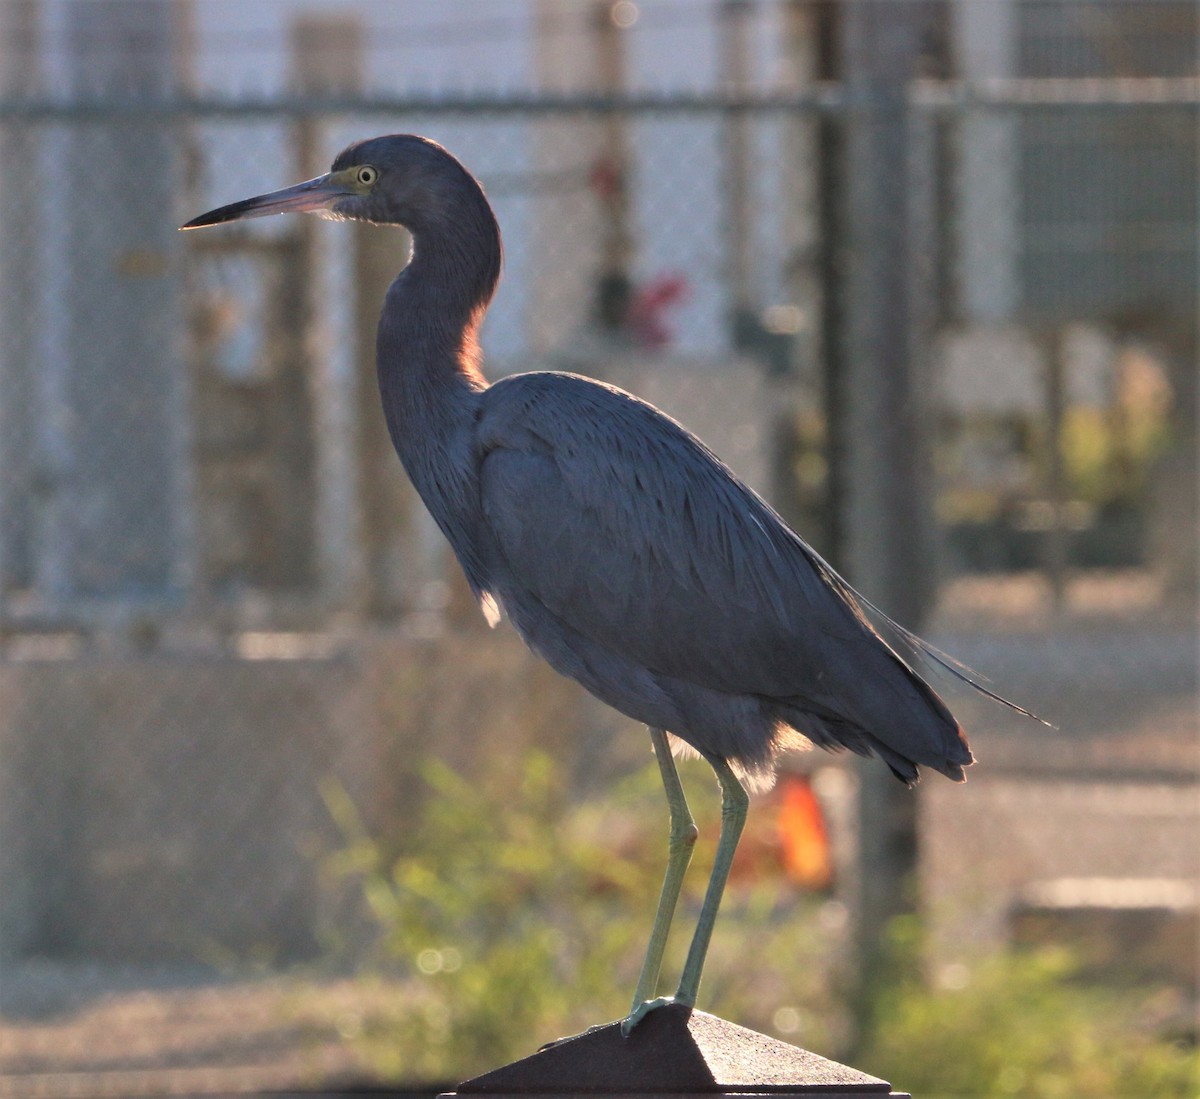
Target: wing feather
(626,528)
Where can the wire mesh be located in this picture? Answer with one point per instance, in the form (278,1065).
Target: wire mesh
(218,595)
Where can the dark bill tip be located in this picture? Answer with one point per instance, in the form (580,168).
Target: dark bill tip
(233,212)
(312,195)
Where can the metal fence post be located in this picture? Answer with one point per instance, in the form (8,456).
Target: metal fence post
(20,274)
(122,527)
(879,428)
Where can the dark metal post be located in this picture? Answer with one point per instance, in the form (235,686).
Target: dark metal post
(734,16)
(22,450)
(829,166)
(878,426)
(1056,547)
(611,177)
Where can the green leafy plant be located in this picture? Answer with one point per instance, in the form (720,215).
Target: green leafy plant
(1019,1024)
(515,915)
(512,913)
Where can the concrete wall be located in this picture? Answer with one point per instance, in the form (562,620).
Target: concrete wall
(1091,823)
(158,809)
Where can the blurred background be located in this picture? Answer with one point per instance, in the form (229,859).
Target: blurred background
(277,810)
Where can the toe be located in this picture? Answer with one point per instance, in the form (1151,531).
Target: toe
(640,1012)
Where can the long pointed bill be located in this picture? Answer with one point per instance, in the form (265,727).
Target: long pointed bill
(312,195)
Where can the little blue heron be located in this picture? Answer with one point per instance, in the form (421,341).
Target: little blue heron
(622,550)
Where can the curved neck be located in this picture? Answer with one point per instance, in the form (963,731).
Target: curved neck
(428,360)
(427,348)
(456,261)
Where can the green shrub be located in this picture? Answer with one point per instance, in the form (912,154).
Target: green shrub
(516,916)
(1020,1025)
(512,915)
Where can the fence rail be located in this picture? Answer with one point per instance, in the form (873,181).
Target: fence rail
(828,96)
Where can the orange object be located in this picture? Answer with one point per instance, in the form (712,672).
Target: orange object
(803,838)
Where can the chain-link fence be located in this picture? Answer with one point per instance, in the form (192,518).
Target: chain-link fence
(219,600)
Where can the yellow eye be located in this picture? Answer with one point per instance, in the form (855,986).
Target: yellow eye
(366,175)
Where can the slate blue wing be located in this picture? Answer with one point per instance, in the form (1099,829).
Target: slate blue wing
(629,531)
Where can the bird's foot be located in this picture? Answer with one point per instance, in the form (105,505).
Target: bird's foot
(627,1024)
(641,1011)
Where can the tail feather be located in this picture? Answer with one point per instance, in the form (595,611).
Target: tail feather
(910,641)
(919,646)
(834,733)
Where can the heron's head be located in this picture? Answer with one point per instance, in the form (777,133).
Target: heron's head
(400,179)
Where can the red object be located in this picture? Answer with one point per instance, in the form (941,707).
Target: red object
(607,178)
(647,311)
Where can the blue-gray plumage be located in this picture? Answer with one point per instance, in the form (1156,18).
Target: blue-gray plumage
(622,550)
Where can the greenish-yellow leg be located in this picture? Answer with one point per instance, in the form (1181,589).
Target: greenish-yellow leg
(682,840)
(734,803)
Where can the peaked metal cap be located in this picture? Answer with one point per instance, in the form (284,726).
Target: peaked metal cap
(677,1051)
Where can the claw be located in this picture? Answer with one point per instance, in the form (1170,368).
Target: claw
(641,1011)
